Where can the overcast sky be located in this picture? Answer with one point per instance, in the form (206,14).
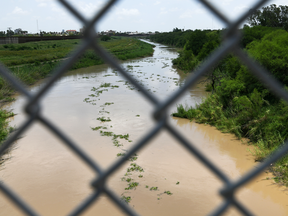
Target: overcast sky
(126,15)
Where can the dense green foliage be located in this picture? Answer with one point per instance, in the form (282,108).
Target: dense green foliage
(122,48)
(176,38)
(242,105)
(271,16)
(105,38)
(197,45)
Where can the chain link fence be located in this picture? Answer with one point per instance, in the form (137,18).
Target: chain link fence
(229,45)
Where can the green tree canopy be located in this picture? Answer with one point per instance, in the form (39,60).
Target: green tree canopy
(270,16)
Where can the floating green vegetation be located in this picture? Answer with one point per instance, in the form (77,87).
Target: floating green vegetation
(116,143)
(140,176)
(177,183)
(129,85)
(85,77)
(108,75)
(121,136)
(101,91)
(126,174)
(133,158)
(165,65)
(94,89)
(135,167)
(121,154)
(115,86)
(97,92)
(96,128)
(106,133)
(168,192)
(104,111)
(103,119)
(108,104)
(137,115)
(86,100)
(154,188)
(146,186)
(132,185)
(105,85)
(129,179)
(126,199)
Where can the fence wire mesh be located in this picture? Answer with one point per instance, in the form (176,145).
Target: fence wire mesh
(229,45)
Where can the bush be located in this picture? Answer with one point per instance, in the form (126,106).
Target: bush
(105,38)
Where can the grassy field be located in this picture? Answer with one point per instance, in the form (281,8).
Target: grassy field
(35,60)
(33,52)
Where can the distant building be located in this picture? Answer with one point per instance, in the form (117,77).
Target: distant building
(71,31)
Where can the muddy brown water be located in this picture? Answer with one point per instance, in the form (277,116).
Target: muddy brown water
(46,174)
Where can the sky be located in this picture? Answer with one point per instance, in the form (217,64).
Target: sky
(126,15)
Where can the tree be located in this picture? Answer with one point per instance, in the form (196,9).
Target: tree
(105,38)
(10,32)
(196,41)
(2,34)
(270,16)
(176,30)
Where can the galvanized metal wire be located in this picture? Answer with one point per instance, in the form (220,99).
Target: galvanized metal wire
(229,45)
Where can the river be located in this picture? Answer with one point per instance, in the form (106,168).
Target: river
(53,180)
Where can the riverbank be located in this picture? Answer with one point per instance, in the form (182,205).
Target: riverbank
(40,58)
(242,105)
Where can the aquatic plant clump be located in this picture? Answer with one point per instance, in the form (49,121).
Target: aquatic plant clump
(126,199)
(135,167)
(132,185)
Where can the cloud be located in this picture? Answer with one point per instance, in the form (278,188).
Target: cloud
(227,2)
(89,9)
(43,4)
(163,11)
(186,14)
(241,8)
(157,3)
(20,11)
(127,12)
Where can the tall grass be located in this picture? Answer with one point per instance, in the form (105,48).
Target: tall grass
(32,52)
(37,59)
